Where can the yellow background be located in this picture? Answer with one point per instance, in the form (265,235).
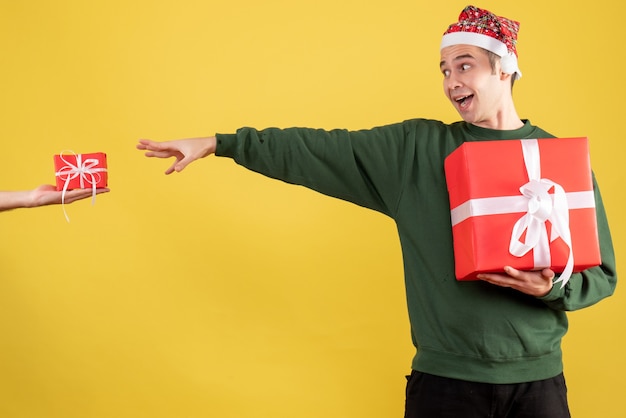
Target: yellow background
(217,292)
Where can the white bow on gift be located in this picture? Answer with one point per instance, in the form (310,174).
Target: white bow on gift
(542,207)
(86,171)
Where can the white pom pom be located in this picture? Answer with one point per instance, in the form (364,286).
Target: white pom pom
(508,63)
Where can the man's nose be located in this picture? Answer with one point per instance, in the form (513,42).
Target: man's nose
(453,82)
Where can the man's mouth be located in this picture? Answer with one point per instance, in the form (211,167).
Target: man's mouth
(464,101)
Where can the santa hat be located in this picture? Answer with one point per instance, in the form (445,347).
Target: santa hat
(480,27)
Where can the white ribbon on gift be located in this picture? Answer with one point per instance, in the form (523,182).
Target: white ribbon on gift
(86,171)
(538,206)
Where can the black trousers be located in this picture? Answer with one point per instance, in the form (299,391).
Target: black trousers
(429,396)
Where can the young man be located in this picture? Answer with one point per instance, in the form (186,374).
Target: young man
(483,348)
(44,195)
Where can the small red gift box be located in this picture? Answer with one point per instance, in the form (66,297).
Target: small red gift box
(528,204)
(81,171)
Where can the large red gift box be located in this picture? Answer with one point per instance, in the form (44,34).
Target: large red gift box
(527,203)
(81,171)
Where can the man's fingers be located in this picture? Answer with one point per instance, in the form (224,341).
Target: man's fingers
(497,279)
(171,169)
(160,154)
(146,144)
(182,163)
(78,194)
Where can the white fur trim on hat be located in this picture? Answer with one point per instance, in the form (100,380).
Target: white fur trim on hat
(508,60)
(476,39)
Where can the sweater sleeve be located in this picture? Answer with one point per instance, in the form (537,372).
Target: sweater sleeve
(594,284)
(363,167)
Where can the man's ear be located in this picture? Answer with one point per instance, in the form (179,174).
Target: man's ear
(504,76)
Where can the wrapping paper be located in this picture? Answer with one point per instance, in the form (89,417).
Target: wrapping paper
(527,203)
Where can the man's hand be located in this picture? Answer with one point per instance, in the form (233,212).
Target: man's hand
(535,283)
(184,150)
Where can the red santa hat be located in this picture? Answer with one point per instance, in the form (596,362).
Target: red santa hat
(480,27)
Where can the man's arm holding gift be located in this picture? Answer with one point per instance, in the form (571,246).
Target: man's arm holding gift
(582,289)
(594,284)
(42,196)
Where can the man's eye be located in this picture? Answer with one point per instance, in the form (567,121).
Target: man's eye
(446,73)
(465,67)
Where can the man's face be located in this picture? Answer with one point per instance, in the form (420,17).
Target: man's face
(475,90)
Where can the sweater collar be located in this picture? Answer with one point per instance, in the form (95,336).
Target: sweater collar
(481,134)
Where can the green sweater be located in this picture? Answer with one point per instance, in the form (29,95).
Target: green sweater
(466,330)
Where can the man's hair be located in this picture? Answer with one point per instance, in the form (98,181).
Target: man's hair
(493,58)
